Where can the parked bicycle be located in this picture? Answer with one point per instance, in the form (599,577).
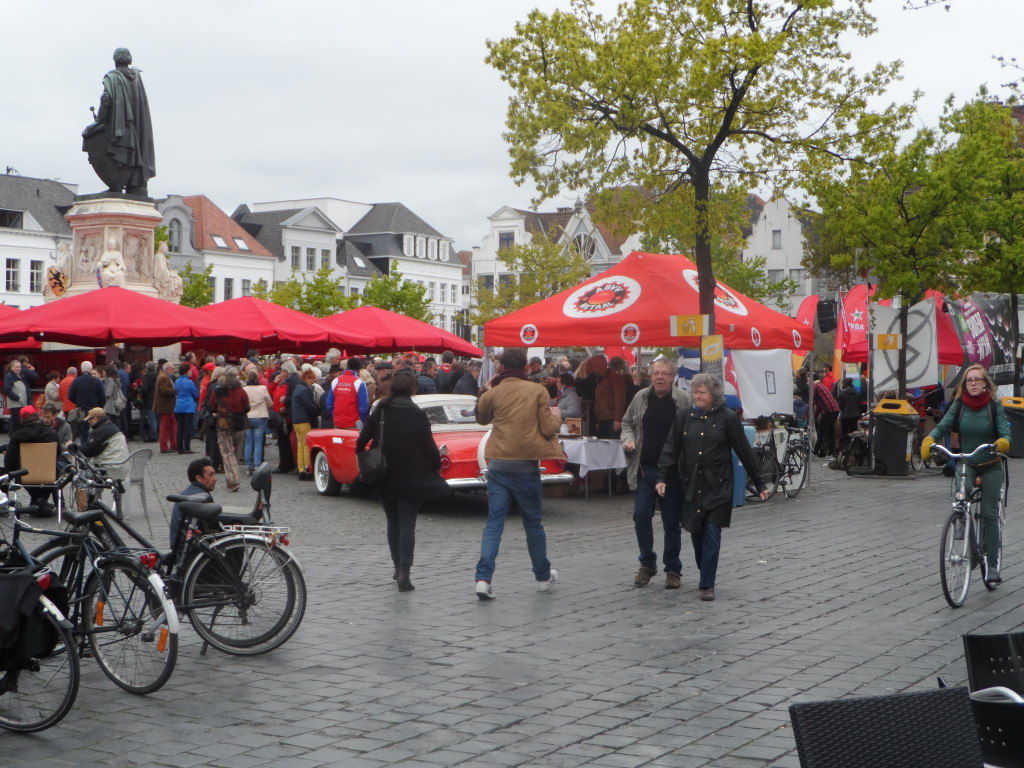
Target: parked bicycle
(788,475)
(240,589)
(120,609)
(962,547)
(39,670)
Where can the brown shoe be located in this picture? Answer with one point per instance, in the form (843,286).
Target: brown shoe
(707,595)
(643,577)
(671,580)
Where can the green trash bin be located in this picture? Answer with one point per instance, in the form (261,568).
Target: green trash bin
(893,437)
(1014,407)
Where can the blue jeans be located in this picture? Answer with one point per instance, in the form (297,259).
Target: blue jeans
(706,546)
(643,520)
(254,442)
(502,489)
(148,426)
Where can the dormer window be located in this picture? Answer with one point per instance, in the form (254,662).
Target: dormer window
(242,245)
(421,247)
(409,246)
(432,249)
(174,236)
(219,241)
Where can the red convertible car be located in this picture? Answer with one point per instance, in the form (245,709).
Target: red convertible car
(460,441)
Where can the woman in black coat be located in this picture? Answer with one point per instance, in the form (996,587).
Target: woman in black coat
(698,451)
(413,466)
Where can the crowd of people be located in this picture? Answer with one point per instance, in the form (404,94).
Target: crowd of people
(232,406)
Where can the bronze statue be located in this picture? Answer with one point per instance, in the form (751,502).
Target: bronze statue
(120,140)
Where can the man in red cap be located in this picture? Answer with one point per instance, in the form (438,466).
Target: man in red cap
(31,430)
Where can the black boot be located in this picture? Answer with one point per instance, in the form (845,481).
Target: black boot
(404,585)
(394,576)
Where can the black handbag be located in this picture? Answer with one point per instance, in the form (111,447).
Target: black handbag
(372,464)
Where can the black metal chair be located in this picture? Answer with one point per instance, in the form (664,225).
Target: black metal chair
(995,671)
(922,729)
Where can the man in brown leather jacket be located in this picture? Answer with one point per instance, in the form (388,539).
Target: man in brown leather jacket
(524,432)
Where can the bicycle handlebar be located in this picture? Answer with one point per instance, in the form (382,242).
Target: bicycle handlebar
(965,456)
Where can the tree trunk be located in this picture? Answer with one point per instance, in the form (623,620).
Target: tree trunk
(1014,303)
(702,247)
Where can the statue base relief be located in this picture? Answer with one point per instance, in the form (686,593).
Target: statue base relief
(112,245)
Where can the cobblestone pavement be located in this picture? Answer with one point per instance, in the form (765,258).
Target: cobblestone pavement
(832,594)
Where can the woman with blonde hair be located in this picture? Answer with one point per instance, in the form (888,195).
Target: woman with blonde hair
(304,418)
(979,419)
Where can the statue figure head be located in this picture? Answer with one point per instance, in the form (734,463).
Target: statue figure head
(122,57)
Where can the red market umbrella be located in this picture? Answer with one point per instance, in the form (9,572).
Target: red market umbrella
(109,315)
(265,325)
(7,311)
(393,332)
(631,304)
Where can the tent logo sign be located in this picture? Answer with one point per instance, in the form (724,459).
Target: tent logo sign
(528,333)
(724,298)
(606,297)
(755,336)
(797,338)
(630,334)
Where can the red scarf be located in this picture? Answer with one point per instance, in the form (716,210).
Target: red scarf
(976,402)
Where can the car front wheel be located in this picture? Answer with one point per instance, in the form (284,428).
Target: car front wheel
(324,481)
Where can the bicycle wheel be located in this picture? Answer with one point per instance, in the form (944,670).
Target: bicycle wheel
(128,628)
(769,471)
(263,614)
(955,559)
(916,462)
(41,691)
(794,476)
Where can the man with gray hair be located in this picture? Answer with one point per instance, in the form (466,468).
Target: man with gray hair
(645,425)
(468,383)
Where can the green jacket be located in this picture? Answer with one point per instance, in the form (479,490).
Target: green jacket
(976,428)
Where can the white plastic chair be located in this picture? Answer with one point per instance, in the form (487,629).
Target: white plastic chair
(135,483)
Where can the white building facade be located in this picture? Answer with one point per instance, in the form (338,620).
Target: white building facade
(778,235)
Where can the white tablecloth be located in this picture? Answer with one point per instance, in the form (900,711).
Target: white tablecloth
(595,454)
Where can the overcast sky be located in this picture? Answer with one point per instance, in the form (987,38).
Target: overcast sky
(373,101)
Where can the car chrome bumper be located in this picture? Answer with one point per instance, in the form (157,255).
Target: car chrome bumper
(464,483)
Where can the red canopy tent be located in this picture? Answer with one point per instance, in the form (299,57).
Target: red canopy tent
(631,303)
(109,315)
(269,326)
(393,332)
(27,343)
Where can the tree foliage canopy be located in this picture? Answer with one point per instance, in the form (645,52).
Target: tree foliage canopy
(395,294)
(538,269)
(676,94)
(196,290)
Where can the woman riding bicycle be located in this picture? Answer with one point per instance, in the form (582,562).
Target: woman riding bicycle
(979,419)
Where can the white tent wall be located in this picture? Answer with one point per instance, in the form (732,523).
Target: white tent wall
(765,381)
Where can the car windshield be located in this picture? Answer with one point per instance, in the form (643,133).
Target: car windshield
(451,414)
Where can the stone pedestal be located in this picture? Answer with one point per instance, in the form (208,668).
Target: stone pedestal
(113,245)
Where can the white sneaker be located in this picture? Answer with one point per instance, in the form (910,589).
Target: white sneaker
(544,586)
(484,591)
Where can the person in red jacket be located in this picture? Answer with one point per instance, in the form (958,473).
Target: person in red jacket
(348,399)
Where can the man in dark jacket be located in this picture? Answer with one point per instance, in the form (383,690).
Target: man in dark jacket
(86,392)
(426,383)
(30,430)
(202,480)
(147,388)
(468,384)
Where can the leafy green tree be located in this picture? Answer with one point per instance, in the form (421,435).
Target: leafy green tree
(395,294)
(323,295)
(896,217)
(261,290)
(196,288)
(687,96)
(990,148)
(539,269)
(288,292)
(160,235)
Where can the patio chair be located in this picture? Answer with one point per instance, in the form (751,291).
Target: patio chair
(135,483)
(922,729)
(40,459)
(995,671)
